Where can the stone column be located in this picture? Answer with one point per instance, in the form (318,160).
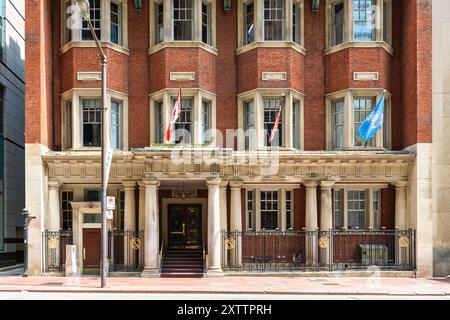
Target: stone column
(223,217)
(54,213)
(236,221)
(129,223)
(54,223)
(141,219)
(214,250)
(311,222)
(326,218)
(400,219)
(151,229)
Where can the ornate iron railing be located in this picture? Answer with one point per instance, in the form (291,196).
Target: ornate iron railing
(54,250)
(126,251)
(275,251)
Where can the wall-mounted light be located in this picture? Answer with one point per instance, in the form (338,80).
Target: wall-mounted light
(138,5)
(227,5)
(315,6)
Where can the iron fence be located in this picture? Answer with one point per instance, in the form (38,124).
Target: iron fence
(275,251)
(54,250)
(126,251)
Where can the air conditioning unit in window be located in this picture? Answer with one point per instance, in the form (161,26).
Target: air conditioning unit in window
(372,254)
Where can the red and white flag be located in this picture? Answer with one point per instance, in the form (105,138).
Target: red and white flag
(175,114)
(277,122)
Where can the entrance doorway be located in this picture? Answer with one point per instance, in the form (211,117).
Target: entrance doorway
(185,226)
(91,251)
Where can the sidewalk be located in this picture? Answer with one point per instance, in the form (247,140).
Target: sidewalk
(234,285)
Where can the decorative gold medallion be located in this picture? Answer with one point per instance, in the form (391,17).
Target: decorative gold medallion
(403,241)
(53,243)
(324,242)
(230,243)
(135,243)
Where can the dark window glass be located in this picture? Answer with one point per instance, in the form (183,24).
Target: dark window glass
(182,21)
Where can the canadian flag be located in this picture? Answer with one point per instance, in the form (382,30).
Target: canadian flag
(175,114)
(277,122)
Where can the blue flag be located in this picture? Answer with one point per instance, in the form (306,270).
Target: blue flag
(373,122)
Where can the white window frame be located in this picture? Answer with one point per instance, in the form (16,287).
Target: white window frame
(75,96)
(66,210)
(105,22)
(120,23)
(287,39)
(348,36)
(258,97)
(196,40)
(168,96)
(372,220)
(382,137)
(256,210)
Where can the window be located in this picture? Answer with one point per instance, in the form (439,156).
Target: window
(182,126)
(387,21)
(364,20)
(206,121)
(356,203)
(206,23)
(93,195)
(116,17)
(377,209)
(250,209)
(66,210)
(92,114)
(273,20)
(159,129)
(121,223)
(269,210)
(116,133)
(159,21)
(289,209)
(182,21)
(96,22)
(1,110)
(338,124)
(361,109)
(249,23)
(296,124)
(271,107)
(249,125)
(296,32)
(338,209)
(68,11)
(67,134)
(338,23)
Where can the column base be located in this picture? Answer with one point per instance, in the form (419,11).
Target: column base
(150,273)
(215,273)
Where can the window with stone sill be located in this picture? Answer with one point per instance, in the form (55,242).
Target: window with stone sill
(258,119)
(357,213)
(266,20)
(189,20)
(108,28)
(359,21)
(266,207)
(66,210)
(355,107)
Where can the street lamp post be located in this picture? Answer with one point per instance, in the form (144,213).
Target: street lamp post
(84,9)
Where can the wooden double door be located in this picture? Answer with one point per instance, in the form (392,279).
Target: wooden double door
(185,226)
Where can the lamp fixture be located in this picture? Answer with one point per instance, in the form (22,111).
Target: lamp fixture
(183,194)
(227,5)
(315,5)
(138,5)
(84,8)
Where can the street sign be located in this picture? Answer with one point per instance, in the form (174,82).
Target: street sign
(110,203)
(109,214)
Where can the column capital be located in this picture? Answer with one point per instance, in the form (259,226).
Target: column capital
(326,184)
(141,184)
(400,184)
(54,185)
(236,184)
(129,184)
(211,182)
(223,184)
(151,181)
(310,184)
